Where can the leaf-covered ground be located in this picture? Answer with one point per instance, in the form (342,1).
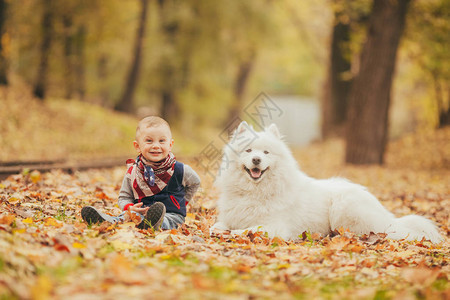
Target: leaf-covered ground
(46,251)
(28,126)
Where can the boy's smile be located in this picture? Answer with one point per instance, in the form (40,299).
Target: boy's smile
(154,143)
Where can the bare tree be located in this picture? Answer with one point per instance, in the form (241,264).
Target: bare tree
(242,77)
(126,102)
(370,93)
(80,61)
(334,102)
(170,28)
(350,16)
(67,20)
(3,59)
(47,32)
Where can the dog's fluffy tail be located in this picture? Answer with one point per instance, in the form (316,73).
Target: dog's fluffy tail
(414,227)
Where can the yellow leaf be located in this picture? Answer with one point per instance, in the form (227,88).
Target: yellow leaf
(13,199)
(166,256)
(283,266)
(78,245)
(27,221)
(119,245)
(35,176)
(21,230)
(127,224)
(52,222)
(42,288)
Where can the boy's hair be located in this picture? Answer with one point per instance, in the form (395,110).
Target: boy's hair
(151,121)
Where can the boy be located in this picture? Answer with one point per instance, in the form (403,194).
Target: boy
(156,187)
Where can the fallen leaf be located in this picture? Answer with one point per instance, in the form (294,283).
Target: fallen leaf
(27,221)
(61,247)
(42,288)
(120,246)
(106,227)
(421,275)
(35,176)
(77,245)
(53,222)
(7,219)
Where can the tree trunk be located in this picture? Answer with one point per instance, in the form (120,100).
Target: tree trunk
(68,54)
(370,93)
(126,102)
(169,108)
(102,75)
(170,81)
(240,85)
(334,103)
(443,111)
(47,32)
(3,58)
(79,63)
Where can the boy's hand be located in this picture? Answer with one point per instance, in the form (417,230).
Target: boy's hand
(138,208)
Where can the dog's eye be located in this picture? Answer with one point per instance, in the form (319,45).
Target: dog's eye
(266,152)
(248,150)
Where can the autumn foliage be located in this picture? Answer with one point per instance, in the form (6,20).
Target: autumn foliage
(47,251)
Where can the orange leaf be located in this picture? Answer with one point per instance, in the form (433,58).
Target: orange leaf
(61,247)
(7,219)
(357,248)
(52,222)
(102,196)
(105,227)
(120,265)
(420,275)
(241,268)
(201,282)
(368,263)
(278,241)
(133,217)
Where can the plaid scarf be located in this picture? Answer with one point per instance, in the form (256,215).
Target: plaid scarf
(149,178)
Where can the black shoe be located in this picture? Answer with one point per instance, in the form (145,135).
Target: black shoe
(92,216)
(154,217)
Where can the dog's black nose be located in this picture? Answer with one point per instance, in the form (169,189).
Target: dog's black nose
(256,160)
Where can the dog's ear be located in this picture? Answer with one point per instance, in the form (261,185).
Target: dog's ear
(241,128)
(274,130)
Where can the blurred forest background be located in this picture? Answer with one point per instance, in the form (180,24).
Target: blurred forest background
(77,74)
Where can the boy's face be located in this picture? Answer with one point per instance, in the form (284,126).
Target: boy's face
(154,143)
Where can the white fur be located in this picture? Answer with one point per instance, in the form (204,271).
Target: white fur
(285,202)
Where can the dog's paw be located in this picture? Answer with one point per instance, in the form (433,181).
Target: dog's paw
(219,226)
(246,231)
(219,229)
(239,231)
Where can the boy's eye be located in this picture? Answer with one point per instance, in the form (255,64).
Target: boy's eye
(248,150)
(148,141)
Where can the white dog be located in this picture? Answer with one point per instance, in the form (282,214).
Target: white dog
(262,189)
